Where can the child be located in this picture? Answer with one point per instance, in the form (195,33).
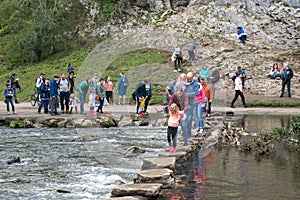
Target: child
(142,106)
(92,103)
(9,93)
(173,123)
(73,103)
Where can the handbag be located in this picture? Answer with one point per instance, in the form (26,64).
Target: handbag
(97,97)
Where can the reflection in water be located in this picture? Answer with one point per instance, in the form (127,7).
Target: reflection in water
(227,174)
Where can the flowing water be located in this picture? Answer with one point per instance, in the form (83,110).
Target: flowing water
(88,163)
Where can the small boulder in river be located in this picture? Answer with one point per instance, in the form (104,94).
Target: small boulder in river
(14,160)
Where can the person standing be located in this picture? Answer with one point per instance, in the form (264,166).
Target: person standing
(71,82)
(109,88)
(123,83)
(237,73)
(204,72)
(14,82)
(140,94)
(286,76)
(54,95)
(170,89)
(9,93)
(64,91)
(148,90)
(238,91)
(44,95)
(208,93)
(83,89)
(100,91)
(192,51)
(191,89)
(177,58)
(39,82)
(215,77)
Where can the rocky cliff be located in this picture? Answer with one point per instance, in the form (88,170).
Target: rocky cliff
(272,26)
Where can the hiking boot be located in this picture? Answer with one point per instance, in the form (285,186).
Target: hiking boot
(8,113)
(232,106)
(14,113)
(246,106)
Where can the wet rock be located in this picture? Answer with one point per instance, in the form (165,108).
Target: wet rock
(87,123)
(52,122)
(159,162)
(144,189)
(107,121)
(13,160)
(28,123)
(127,198)
(162,176)
(141,123)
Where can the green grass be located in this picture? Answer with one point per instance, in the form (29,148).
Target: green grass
(273,104)
(27,74)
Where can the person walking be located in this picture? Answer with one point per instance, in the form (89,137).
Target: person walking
(200,100)
(44,95)
(83,89)
(109,88)
(9,93)
(100,91)
(208,93)
(170,89)
(123,83)
(173,122)
(54,95)
(64,92)
(71,82)
(238,91)
(286,76)
(192,51)
(177,58)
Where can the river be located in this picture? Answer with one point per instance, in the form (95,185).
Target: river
(87,163)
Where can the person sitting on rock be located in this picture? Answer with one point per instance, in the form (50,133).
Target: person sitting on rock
(275,72)
(241,35)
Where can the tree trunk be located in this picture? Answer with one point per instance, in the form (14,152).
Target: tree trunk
(168,4)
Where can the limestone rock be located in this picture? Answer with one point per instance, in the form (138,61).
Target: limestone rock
(163,176)
(143,189)
(159,162)
(107,121)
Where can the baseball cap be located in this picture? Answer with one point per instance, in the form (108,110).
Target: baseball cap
(42,73)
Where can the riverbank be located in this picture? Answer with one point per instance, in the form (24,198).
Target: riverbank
(25,110)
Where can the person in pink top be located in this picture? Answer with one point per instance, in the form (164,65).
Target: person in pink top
(109,89)
(200,100)
(173,122)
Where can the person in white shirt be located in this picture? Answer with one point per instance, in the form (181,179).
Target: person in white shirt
(64,93)
(238,87)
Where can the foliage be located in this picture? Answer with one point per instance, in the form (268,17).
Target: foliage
(34,30)
(16,124)
(295,125)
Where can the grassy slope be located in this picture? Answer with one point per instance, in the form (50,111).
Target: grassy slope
(137,65)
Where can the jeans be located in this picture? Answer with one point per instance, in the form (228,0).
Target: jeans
(100,107)
(187,124)
(9,101)
(191,56)
(82,100)
(177,62)
(200,117)
(44,103)
(53,104)
(64,100)
(288,84)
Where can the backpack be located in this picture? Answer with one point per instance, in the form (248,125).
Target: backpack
(125,82)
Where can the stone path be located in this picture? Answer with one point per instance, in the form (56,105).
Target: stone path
(24,109)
